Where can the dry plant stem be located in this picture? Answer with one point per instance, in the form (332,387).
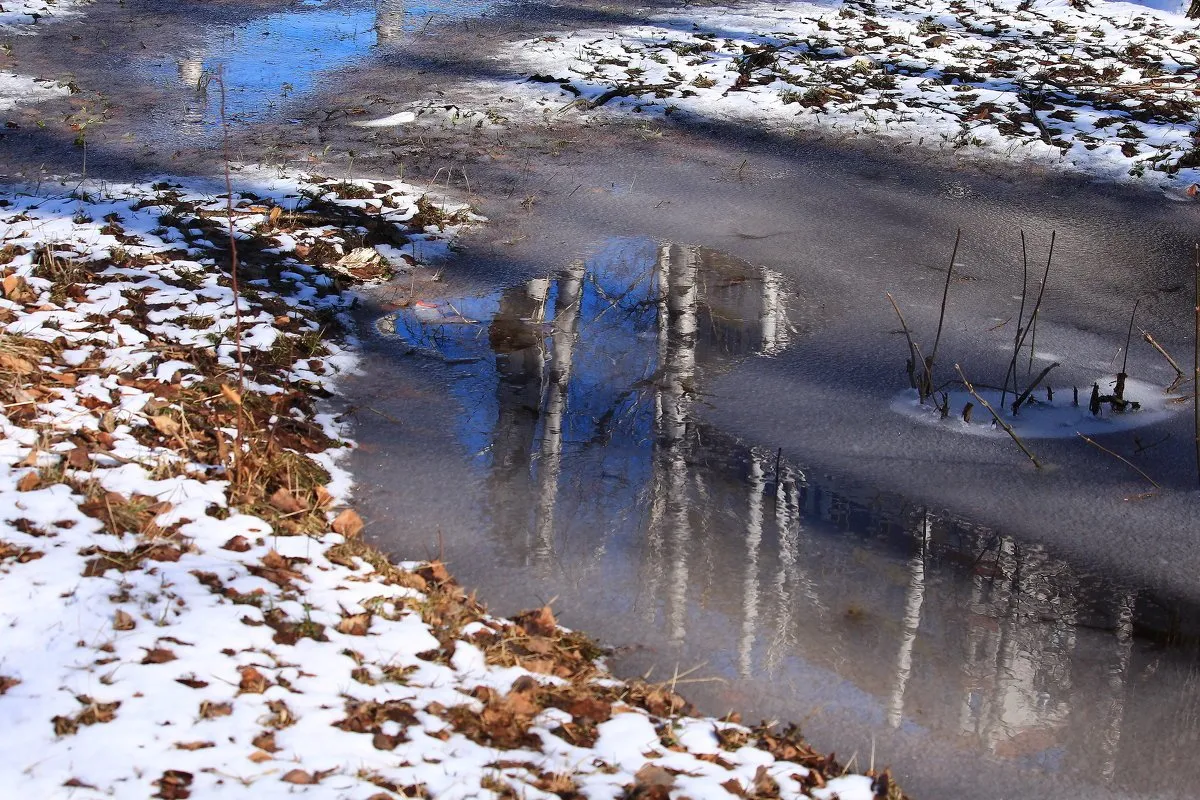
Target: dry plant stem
(233,281)
(1025,395)
(1196,365)
(1007,428)
(914,353)
(1129,335)
(1012,368)
(1037,306)
(945,295)
(1120,458)
(1150,340)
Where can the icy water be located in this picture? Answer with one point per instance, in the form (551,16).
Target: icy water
(694,457)
(269,60)
(570,458)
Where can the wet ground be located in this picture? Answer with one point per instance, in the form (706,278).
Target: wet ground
(657,389)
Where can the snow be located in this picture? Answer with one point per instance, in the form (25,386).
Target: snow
(1103,89)
(20,89)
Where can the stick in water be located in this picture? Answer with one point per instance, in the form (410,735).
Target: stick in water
(1007,428)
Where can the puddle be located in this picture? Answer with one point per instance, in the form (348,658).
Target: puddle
(879,623)
(271,60)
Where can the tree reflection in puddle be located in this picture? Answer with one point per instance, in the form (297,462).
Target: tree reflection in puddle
(605,488)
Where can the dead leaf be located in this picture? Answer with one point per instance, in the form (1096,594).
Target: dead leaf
(78,458)
(18,289)
(192,682)
(231,394)
(159,655)
(29,481)
(253,681)
(285,501)
(653,775)
(324,498)
(355,624)
(273,218)
(7,683)
(298,776)
(15,364)
(165,425)
(193,745)
(259,756)
(123,621)
(265,741)
(238,544)
(173,785)
(211,710)
(540,622)
(348,523)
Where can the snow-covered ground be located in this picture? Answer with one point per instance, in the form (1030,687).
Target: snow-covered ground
(187,605)
(19,18)
(1104,89)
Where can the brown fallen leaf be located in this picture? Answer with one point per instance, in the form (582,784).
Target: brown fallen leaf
(15,364)
(253,681)
(265,741)
(122,621)
(78,458)
(211,710)
(348,523)
(324,498)
(159,655)
(193,745)
(355,624)
(259,756)
(7,683)
(285,501)
(165,425)
(174,785)
(298,776)
(29,481)
(192,682)
(274,216)
(238,544)
(17,289)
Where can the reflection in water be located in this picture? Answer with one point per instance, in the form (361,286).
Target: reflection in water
(579,394)
(277,56)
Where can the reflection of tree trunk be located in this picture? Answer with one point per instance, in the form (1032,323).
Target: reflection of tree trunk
(515,341)
(788,580)
(562,350)
(1006,650)
(754,526)
(389,19)
(191,70)
(913,598)
(655,556)
(678,375)
(773,314)
(1118,671)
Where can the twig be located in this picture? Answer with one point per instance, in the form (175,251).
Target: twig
(1119,457)
(1007,428)
(1179,373)
(914,354)
(1032,327)
(1012,368)
(945,294)
(1025,395)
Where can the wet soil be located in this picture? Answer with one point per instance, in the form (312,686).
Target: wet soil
(656,388)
